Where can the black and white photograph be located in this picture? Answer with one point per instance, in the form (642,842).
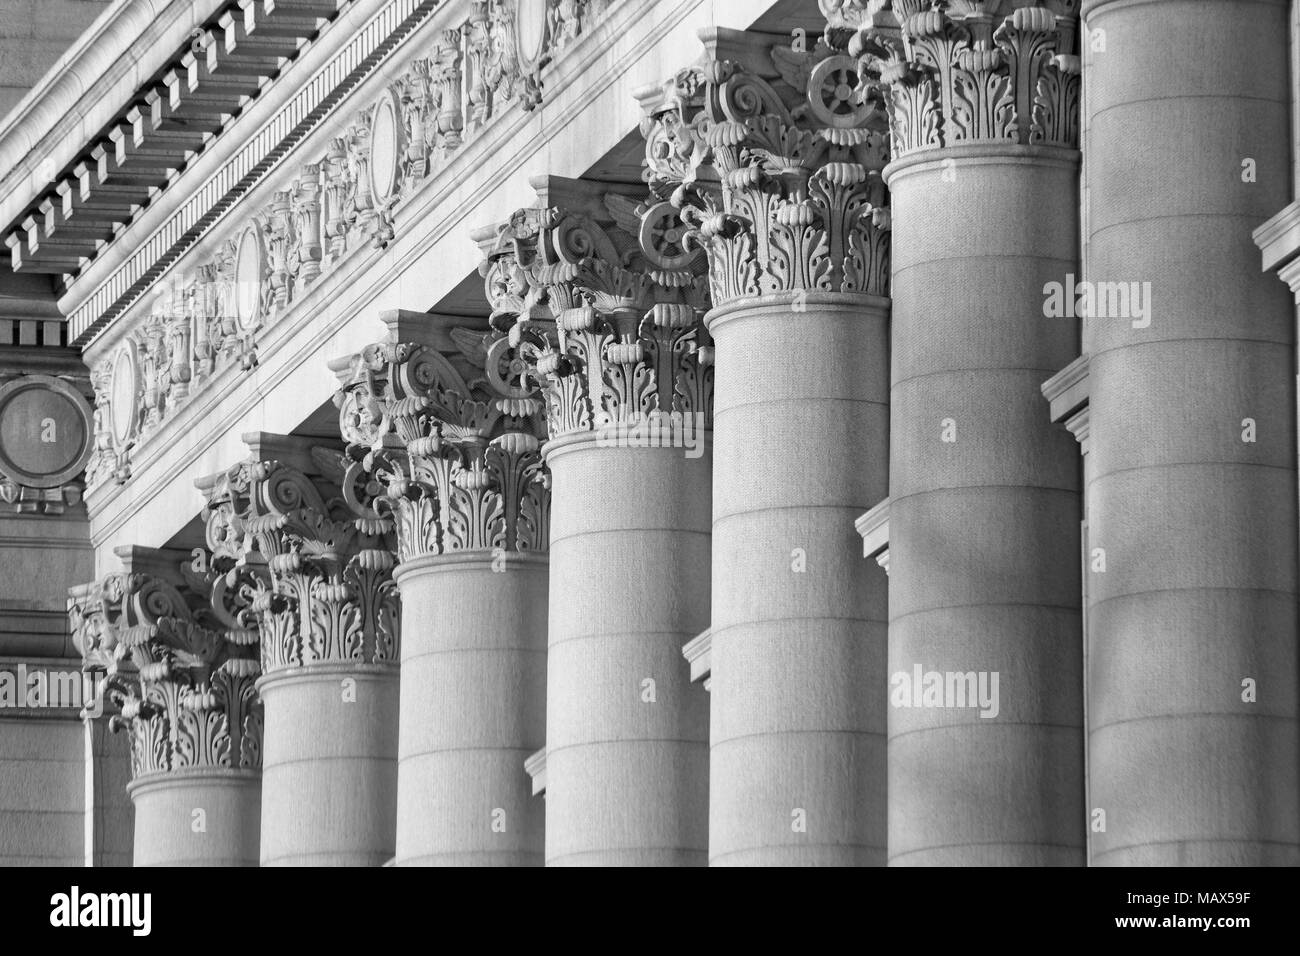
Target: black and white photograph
(651,434)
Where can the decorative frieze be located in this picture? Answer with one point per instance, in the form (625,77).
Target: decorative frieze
(178,663)
(601,302)
(453,436)
(311,557)
(959,72)
(543,28)
(774,163)
(212,316)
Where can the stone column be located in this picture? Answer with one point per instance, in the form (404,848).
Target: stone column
(796,233)
(455,445)
(179,673)
(610,325)
(1194,757)
(985,661)
(295,526)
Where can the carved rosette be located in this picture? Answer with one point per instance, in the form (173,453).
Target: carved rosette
(777,176)
(311,560)
(961,71)
(454,444)
(178,669)
(603,310)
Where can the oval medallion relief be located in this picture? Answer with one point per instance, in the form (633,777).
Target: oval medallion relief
(248,278)
(385,148)
(123,395)
(530,31)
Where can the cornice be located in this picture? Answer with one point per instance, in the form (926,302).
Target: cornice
(82,90)
(130,268)
(85,220)
(496,71)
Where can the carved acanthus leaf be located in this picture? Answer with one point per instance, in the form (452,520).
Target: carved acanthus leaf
(178,669)
(777,177)
(312,559)
(973,72)
(452,438)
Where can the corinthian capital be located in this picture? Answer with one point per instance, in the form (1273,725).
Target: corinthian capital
(774,161)
(450,426)
(176,664)
(601,300)
(309,554)
(968,71)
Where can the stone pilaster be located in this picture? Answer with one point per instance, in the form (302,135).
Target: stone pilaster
(985,661)
(776,172)
(1192,683)
(605,316)
(178,668)
(294,525)
(46,437)
(436,418)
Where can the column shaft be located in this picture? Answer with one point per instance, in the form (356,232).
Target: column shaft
(627,754)
(1194,756)
(984,514)
(473,708)
(329,768)
(798,634)
(201,818)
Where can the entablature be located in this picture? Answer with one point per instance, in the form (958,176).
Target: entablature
(425,264)
(338,199)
